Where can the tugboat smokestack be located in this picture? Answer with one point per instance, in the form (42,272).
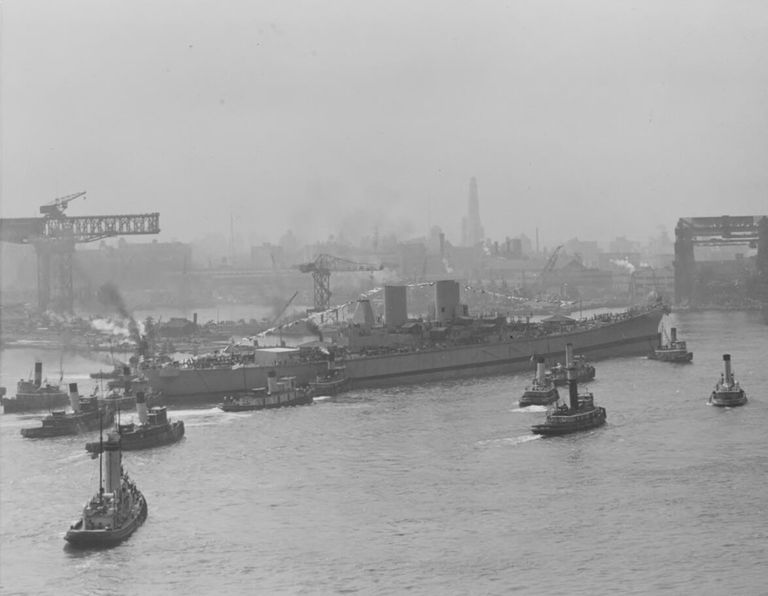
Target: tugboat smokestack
(38,373)
(673,334)
(271,381)
(573,389)
(540,369)
(727,362)
(74,398)
(141,407)
(112,463)
(568,355)
(659,340)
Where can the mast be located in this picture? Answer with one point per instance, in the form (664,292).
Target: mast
(101,452)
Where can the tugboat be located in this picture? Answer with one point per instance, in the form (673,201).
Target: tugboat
(113,513)
(584,371)
(673,351)
(154,429)
(122,390)
(86,415)
(277,394)
(33,395)
(542,391)
(728,392)
(332,382)
(582,414)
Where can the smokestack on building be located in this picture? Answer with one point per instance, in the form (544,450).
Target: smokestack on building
(446,300)
(395,306)
(472,231)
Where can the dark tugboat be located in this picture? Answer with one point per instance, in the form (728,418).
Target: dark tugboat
(542,391)
(122,390)
(154,429)
(113,513)
(672,351)
(32,395)
(277,394)
(581,414)
(727,392)
(332,382)
(584,371)
(86,415)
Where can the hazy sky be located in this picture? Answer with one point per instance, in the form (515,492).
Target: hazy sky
(591,118)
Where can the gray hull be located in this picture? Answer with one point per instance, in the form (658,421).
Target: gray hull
(632,336)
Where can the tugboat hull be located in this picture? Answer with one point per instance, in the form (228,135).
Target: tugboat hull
(68,424)
(728,399)
(258,404)
(678,357)
(539,398)
(103,538)
(331,387)
(571,423)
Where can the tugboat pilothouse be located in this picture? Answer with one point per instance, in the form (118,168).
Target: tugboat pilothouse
(113,513)
(581,414)
(542,391)
(728,392)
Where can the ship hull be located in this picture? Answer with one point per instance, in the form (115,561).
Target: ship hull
(80,538)
(728,399)
(664,356)
(539,398)
(257,404)
(69,425)
(34,402)
(633,336)
(572,424)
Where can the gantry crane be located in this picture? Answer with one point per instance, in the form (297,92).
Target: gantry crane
(321,269)
(54,236)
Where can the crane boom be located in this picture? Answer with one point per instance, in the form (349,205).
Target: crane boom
(321,269)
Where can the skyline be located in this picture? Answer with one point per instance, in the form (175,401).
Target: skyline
(589,121)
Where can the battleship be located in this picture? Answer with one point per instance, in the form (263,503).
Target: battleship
(451,345)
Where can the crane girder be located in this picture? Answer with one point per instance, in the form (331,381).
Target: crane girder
(321,269)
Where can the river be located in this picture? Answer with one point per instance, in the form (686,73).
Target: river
(422,489)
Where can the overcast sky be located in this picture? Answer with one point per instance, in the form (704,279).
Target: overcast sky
(591,118)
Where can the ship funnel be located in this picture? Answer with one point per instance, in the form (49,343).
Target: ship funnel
(659,340)
(673,334)
(573,389)
(112,461)
(568,355)
(540,369)
(74,397)
(271,381)
(141,407)
(728,374)
(38,373)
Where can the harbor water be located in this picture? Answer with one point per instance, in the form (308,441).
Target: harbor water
(427,489)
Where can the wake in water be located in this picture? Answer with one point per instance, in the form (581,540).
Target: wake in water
(508,440)
(528,409)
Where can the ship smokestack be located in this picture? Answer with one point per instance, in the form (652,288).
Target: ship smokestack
(141,406)
(728,375)
(540,369)
(573,389)
(658,337)
(568,355)
(38,373)
(271,381)
(74,398)
(112,463)
(673,334)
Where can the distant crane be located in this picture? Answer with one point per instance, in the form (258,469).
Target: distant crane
(321,269)
(550,265)
(54,236)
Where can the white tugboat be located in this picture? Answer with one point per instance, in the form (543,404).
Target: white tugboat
(542,391)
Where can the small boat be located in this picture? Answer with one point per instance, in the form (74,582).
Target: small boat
(154,429)
(86,415)
(581,414)
(584,371)
(33,395)
(727,392)
(277,394)
(113,513)
(332,382)
(542,391)
(672,351)
(121,392)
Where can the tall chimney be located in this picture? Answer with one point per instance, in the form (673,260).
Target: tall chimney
(728,375)
(141,407)
(573,390)
(38,373)
(74,398)
(271,381)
